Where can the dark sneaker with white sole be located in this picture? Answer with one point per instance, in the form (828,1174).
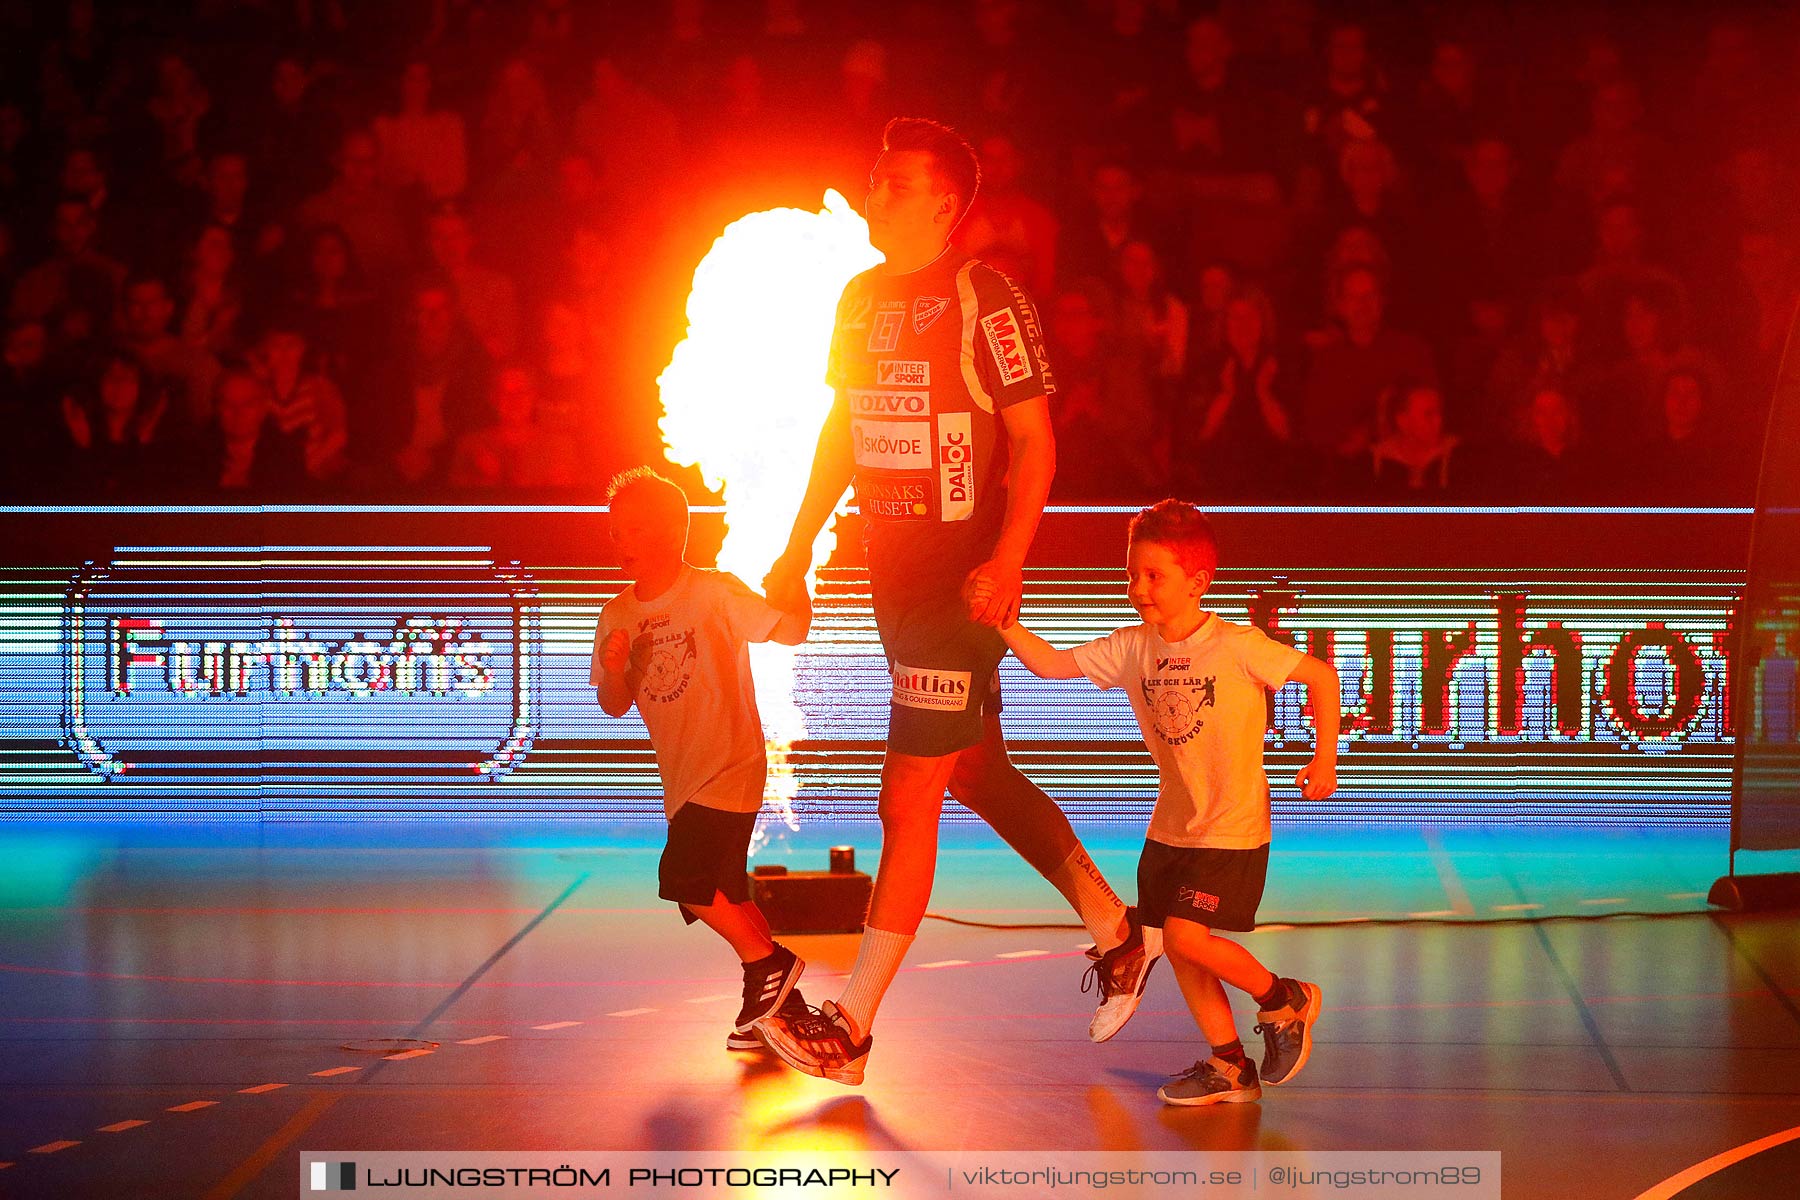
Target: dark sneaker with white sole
(794,1005)
(1213,1081)
(818,1041)
(1122,973)
(1288,1031)
(767,983)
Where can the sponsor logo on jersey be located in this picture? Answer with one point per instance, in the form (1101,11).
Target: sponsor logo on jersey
(884,333)
(1182,665)
(857,315)
(892,445)
(1195,898)
(1008,346)
(895,497)
(868,402)
(956,466)
(926,310)
(900,372)
(931,689)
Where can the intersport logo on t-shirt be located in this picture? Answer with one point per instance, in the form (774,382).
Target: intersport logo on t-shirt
(1002,329)
(929,688)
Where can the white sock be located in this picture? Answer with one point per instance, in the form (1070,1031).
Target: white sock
(878,960)
(1086,890)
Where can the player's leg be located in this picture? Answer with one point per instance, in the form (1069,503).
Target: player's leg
(703,871)
(1226,1075)
(988,784)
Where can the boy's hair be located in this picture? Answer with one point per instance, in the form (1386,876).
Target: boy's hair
(954,166)
(1184,529)
(662,494)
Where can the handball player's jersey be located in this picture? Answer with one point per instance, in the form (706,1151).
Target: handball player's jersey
(925,362)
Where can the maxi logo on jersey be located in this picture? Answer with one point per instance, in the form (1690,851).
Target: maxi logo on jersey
(1008,345)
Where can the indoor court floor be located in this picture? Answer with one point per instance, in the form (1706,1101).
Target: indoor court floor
(175,1003)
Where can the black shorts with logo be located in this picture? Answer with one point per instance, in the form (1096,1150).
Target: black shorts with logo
(945,667)
(1208,886)
(708,852)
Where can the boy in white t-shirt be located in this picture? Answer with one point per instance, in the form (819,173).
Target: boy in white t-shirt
(676,644)
(1199,686)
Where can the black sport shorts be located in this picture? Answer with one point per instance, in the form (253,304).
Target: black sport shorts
(1216,888)
(707,853)
(945,667)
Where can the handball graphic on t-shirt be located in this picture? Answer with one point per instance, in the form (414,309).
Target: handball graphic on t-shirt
(1175,702)
(666,656)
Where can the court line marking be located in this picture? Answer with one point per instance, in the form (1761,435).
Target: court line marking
(704,1000)
(260,1088)
(51,1147)
(557,1025)
(631,1012)
(1517,907)
(120,1126)
(1023,954)
(330,1071)
(269,1151)
(1448,878)
(1605,900)
(1718,1162)
(483,1040)
(192,1106)
(400,1055)
(947,962)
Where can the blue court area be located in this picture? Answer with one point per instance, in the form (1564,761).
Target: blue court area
(182,1004)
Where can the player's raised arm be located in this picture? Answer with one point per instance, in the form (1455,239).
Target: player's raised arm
(1318,778)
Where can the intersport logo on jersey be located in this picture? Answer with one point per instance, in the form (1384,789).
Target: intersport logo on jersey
(956,466)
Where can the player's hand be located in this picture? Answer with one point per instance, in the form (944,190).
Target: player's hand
(615,655)
(785,584)
(1000,585)
(1318,778)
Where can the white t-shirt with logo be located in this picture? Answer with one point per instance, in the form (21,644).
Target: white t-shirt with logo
(697,698)
(1201,703)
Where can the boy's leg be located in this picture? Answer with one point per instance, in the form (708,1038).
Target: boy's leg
(738,924)
(988,784)
(1219,956)
(1227,1076)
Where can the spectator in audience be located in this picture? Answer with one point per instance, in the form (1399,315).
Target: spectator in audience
(423,147)
(1241,436)
(1452,112)
(516,132)
(1485,236)
(119,432)
(1219,119)
(1550,353)
(183,371)
(1006,228)
(517,451)
(571,392)
(338,307)
(243,453)
(1630,398)
(226,204)
(1089,248)
(177,107)
(116,234)
(1350,103)
(29,410)
(1616,156)
(291,137)
(486,300)
(1688,456)
(369,212)
(1550,463)
(213,295)
(1100,401)
(1152,332)
(436,393)
(1359,360)
(1620,268)
(630,135)
(1413,459)
(306,411)
(75,275)
(1206,322)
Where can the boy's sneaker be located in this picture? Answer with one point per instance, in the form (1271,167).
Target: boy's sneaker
(818,1041)
(794,1005)
(1288,1031)
(767,983)
(1122,973)
(1213,1081)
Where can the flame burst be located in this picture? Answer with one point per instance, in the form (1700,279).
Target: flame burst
(743,399)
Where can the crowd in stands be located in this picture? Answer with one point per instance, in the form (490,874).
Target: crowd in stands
(1285,250)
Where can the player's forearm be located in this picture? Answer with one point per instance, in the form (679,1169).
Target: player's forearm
(617,693)
(1028,490)
(1327,716)
(1038,656)
(832,469)
(795,622)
